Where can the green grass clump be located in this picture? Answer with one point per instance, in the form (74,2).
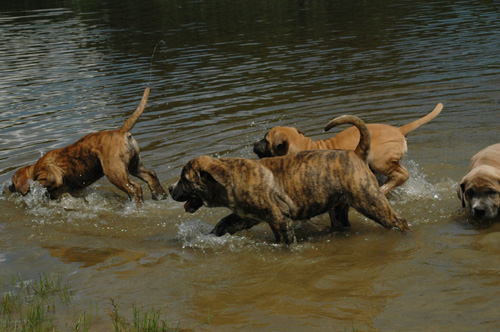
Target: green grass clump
(149,320)
(31,306)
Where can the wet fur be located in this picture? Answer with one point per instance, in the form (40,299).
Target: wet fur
(113,153)
(283,189)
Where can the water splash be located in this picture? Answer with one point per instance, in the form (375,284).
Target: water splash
(195,233)
(4,188)
(418,187)
(422,200)
(89,204)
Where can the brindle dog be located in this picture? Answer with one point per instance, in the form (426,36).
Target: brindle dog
(283,189)
(113,153)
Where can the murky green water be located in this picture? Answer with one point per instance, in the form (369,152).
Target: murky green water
(223,73)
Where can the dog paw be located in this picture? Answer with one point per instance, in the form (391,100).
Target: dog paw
(219,231)
(159,196)
(402,225)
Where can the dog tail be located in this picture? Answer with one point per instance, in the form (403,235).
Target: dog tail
(407,128)
(363,147)
(129,124)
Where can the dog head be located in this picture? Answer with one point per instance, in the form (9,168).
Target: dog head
(20,179)
(279,141)
(202,182)
(480,188)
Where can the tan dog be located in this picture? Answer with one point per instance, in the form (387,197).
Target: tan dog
(388,146)
(283,189)
(481,186)
(113,153)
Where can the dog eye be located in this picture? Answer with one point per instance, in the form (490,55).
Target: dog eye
(491,192)
(469,193)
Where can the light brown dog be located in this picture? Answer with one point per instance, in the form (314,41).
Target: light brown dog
(388,146)
(113,153)
(481,186)
(283,189)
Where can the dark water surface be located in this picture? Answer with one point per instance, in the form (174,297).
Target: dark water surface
(223,73)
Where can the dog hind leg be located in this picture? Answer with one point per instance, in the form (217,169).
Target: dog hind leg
(140,171)
(119,176)
(395,178)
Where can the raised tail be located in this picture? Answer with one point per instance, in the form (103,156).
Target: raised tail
(407,128)
(363,147)
(129,124)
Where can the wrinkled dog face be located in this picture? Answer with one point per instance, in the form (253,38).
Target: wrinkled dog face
(483,202)
(201,183)
(262,148)
(480,188)
(186,190)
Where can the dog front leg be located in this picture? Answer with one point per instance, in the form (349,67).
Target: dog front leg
(232,224)
(52,181)
(376,207)
(283,231)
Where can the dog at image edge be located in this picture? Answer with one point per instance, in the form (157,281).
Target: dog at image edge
(113,153)
(388,146)
(480,187)
(280,190)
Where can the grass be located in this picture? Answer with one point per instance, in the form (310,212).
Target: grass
(353,328)
(32,306)
(149,320)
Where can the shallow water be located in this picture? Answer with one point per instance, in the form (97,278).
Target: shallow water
(221,74)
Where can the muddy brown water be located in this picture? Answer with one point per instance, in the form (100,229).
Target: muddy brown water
(223,73)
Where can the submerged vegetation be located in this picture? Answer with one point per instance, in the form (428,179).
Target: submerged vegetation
(33,306)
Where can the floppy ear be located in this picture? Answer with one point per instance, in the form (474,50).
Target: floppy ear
(211,168)
(460,192)
(280,144)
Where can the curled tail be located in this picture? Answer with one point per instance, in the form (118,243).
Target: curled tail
(407,128)
(129,124)
(363,147)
